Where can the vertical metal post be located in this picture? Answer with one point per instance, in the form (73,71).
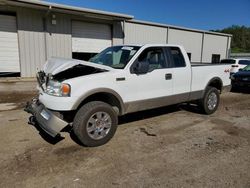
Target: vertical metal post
(202,46)
(227,50)
(123,30)
(167,34)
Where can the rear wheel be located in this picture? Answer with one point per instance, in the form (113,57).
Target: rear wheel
(95,123)
(210,102)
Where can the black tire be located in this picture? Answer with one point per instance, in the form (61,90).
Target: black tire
(82,118)
(233,87)
(204,102)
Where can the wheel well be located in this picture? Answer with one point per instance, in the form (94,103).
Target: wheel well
(104,97)
(216,83)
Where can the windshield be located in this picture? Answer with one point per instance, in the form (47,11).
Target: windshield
(116,57)
(227,61)
(247,68)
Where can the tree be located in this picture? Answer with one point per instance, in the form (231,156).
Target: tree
(241,38)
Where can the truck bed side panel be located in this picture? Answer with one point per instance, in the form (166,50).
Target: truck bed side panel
(202,75)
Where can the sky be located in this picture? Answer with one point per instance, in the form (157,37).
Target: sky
(197,14)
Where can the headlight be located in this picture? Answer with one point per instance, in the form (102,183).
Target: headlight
(58,89)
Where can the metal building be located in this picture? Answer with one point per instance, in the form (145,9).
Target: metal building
(32,31)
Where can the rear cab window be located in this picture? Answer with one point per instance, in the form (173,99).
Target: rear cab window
(176,57)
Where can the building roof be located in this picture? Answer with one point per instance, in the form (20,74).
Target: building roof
(55,6)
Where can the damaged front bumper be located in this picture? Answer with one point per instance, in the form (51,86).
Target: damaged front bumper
(44,118)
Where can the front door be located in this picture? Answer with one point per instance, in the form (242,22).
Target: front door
(145,91)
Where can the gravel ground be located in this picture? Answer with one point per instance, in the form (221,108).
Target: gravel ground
(167,147)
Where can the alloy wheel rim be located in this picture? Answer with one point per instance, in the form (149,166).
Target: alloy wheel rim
(212,101)
(99,125)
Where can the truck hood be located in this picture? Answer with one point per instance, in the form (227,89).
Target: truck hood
(57,65)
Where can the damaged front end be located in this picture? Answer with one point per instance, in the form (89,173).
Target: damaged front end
(42,79)
(77,71)
(52,80)
(57,70)
(44,118)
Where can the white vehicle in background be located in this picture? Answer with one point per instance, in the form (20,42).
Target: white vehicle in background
(236,64)
(89,96)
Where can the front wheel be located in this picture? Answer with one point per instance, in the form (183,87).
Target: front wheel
(95,123)
(210,102)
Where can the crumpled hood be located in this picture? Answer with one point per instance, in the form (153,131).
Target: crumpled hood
(56,65)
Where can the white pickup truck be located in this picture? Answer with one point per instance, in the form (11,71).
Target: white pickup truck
(89,96)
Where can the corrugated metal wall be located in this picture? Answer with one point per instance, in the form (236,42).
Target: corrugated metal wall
(58,36)
(31,41)
(40,40)
(214,44)
(141,34)
(192,42)
(200,44)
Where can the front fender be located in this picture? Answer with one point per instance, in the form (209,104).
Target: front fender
(97,91)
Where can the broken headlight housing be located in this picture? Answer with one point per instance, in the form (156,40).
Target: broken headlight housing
(59,89)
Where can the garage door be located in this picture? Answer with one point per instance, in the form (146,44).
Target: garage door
(9,54)
(90,37)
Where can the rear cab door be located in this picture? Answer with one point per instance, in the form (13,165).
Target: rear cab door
(181,72)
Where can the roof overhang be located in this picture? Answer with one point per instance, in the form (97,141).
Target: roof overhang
(68,9)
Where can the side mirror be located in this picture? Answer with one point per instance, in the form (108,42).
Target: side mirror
(141,67)
(240,69)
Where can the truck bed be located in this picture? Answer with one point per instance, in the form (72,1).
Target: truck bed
(201,73)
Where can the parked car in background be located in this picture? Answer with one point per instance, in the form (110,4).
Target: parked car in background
(241,79)
(236,64)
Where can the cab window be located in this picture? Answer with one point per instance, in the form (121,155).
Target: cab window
(176,57)
(155,57)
